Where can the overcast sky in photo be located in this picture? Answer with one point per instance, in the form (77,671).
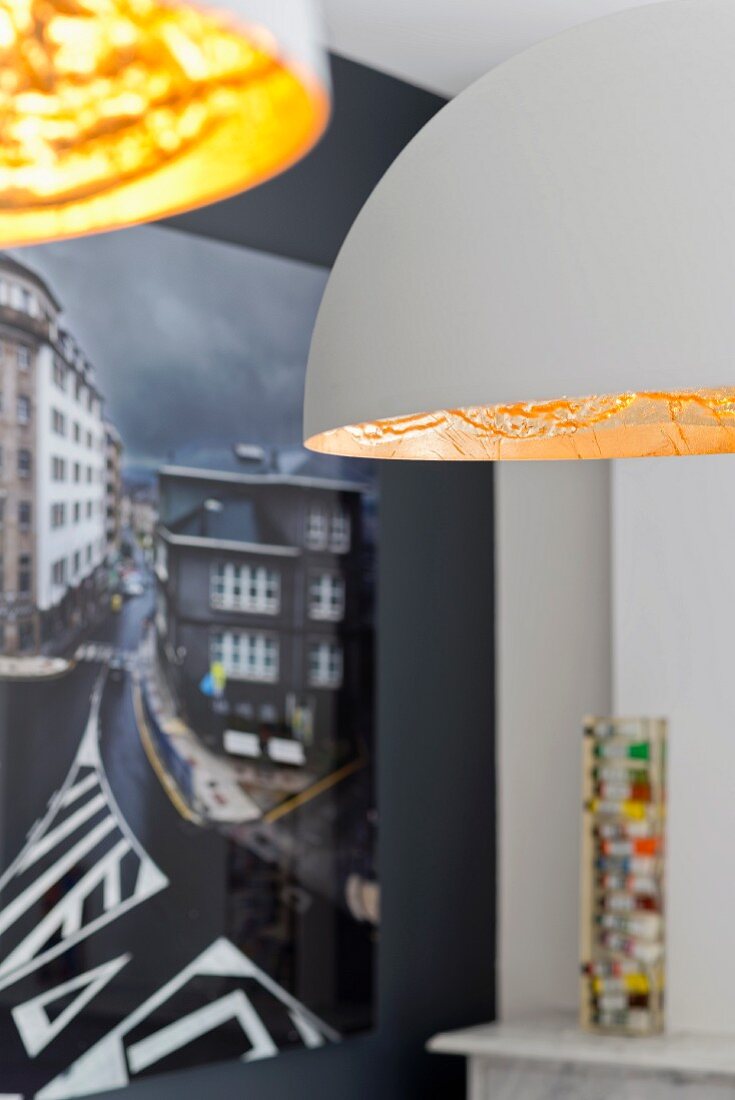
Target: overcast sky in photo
(197,345)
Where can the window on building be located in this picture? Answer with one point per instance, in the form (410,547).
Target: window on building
(24,409)
(77,511)
(89,475)
(339,532)
(317,529)
(89,440)
(2,521)
(4,292)
(58,572)
(26,635)
(2,455)
(88,553)
(77,561)
(59,373)
(58,422)
(328,530)
(58,515)
(77,472)
(20,298)
(24,514)
(326,597)
(77,432)
(24,462)
(23,357)
(2,573)
(24,573)
(245,655)
(89,509)
(58,469)
(325,664)
(245,588)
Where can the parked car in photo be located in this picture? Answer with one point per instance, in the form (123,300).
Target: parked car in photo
(116,667)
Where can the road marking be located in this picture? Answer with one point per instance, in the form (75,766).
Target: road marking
(69,825)
(114,1061)
(104,653)
(33,893)
(317,788)
(232,1007)
(75,916)
(37,1029)
(75,792)
(164,778)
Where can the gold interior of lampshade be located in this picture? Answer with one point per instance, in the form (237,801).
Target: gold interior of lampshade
(626,425)
(114,112)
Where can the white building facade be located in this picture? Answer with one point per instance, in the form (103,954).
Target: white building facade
(70,481)
(52,470)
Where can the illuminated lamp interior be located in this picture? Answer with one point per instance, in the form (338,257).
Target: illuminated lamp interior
(627,425)
(116,112)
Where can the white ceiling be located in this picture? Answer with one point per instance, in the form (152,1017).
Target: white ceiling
(446,44)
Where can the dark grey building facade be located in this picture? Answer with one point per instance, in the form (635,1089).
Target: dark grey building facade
(265,608)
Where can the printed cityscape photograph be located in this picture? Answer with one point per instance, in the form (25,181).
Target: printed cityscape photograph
(187,650)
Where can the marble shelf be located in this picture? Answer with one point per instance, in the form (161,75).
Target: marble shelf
(558,1041)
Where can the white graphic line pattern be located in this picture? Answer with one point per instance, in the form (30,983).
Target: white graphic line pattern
(37,1029)
(72,830)
(105,1065)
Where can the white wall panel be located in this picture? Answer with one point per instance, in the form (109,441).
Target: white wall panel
(674,655)
(553,646)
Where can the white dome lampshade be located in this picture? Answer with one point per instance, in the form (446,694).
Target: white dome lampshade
(548,269)
(116,112)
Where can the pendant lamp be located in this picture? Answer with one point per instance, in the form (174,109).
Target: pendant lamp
(114,112)
(548,270)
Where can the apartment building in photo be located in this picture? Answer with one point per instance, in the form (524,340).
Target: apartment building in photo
(71,491)
(263,576)
(52,470)
(113,489)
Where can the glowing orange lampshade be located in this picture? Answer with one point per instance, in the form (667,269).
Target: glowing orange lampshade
(624,425)
(114,112)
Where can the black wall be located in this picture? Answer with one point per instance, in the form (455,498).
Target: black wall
(306,212)
(435,681)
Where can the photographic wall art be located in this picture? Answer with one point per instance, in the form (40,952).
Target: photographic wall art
(186,670)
